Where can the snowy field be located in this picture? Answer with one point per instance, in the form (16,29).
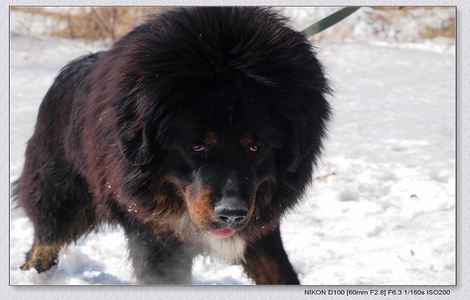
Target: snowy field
(380,211)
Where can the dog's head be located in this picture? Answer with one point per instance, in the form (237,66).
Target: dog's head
(224,107)
(221,153)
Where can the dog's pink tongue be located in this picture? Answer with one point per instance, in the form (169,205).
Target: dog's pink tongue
(225,233)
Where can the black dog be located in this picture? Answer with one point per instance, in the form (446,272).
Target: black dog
(195,133)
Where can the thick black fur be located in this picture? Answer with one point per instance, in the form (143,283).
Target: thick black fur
(196,118)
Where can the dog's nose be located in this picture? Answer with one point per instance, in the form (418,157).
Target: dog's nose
(230,216)
(230,211)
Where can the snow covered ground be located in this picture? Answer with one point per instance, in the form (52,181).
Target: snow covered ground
(382,210)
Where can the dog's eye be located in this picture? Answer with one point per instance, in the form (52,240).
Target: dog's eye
(253,148)
(198,148)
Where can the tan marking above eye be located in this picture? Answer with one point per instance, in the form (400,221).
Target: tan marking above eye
(210,138)
(248,139)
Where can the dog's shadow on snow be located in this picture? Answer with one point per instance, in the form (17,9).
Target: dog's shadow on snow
(77,268)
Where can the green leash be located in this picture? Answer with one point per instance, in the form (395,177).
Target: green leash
(330,20)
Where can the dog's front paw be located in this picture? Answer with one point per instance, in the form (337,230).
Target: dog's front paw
(41,257)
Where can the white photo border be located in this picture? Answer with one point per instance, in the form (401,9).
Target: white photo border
(460,291)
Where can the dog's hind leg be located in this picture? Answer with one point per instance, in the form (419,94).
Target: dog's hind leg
(60,207)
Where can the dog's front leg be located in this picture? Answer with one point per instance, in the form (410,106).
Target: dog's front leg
(267,263)
(159,261)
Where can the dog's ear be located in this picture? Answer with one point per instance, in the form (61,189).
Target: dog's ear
(136,147)
(294,157)
(133,131)
(305,134)
(302,145)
